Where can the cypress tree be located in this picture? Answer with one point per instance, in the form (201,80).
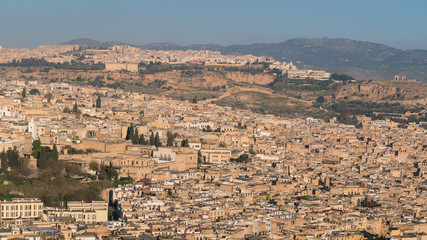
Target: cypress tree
(76,109)
(171,138)
(135,137)
(152,139)
(3,159)
(141,140)
(184,143)
(98,102)
(130,133)
(42,161)
(157,140)
(54,155)
(24,92)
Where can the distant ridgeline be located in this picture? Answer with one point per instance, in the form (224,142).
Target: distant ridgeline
(360,59)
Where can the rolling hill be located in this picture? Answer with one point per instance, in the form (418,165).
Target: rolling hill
(362,60)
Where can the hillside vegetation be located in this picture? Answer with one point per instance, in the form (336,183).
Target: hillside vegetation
(255,87)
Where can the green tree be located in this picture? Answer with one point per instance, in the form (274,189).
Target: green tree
(342,77)
(48,159)
(157,142)
(24,92)
(199,157)
(3,159)
(67,110)
(320,99)
(135,137)
(127,133)
(34,91)
(170,138)
(152,142)
(76,109)
(98,102)
(54,155)
(130,133)
(108,173)
(13,158)
(42,160)
(36,148)
(141,140)
(184,143)
(94,166)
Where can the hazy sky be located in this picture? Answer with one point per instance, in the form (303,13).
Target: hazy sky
(29,23)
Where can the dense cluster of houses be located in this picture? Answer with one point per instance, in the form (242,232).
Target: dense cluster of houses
(217,172)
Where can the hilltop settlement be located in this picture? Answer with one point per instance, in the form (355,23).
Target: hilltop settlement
(89,162)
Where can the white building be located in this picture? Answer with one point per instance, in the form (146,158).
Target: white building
(32,128)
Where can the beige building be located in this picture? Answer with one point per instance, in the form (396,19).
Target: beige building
(26,208)
(81,216)
(99,207)
(216,155)
(89,213)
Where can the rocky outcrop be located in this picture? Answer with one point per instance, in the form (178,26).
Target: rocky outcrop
(262,79)
(206,79)
(370,91)
(181,80)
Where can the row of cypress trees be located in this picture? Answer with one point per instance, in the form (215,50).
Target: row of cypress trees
(154,140)
(132,134)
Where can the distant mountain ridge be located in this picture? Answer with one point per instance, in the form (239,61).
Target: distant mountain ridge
(363,60)
(89,43)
